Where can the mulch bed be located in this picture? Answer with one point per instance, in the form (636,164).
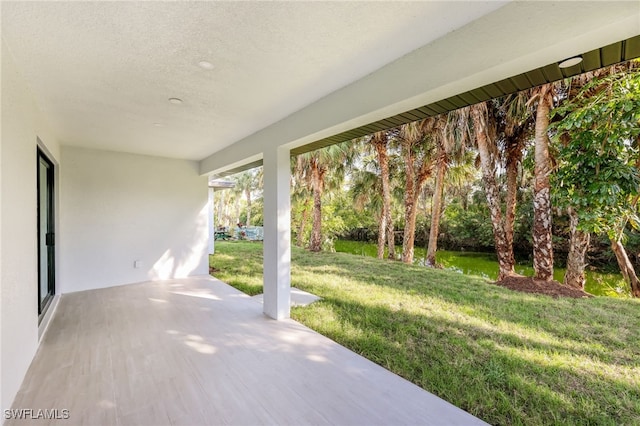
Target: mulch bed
(550,288)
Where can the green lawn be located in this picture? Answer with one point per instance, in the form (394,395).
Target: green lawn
(506,357)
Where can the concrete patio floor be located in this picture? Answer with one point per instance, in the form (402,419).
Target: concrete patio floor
(197,351)
(298,297)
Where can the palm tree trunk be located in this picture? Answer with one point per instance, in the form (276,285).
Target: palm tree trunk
(409,210)
(237,209)
(409,231)
(413,136)
(316,231)
(248,195)
(221,207)
(436,207)
(542,243)
(303,224)
(504,251)
(511,198)
(626,267)
(382,228)
(380,146)
(578,246)
(391,238)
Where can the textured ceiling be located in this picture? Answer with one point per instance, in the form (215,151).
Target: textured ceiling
(102,71)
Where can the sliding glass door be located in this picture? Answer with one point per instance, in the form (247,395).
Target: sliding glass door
(46,233)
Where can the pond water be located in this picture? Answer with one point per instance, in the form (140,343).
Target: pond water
(486,265)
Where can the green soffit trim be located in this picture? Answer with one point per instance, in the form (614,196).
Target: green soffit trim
(608,55)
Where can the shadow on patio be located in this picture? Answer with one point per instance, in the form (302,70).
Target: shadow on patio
(196,351)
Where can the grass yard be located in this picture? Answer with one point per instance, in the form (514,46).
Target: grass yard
(506,357)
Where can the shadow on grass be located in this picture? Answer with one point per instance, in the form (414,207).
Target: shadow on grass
(498,377)
(605,316)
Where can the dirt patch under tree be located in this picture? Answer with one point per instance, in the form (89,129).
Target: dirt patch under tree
(550,288)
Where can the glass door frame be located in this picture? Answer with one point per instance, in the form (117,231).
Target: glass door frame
(48,234)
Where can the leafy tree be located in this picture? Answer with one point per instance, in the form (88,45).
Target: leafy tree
(579,240)
(598,172)
(470,227)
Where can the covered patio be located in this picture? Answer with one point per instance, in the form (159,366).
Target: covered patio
(115,115)
(197,351)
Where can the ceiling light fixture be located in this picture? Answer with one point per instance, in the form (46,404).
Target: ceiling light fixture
(570,62)
(175,101)
(158,124)
(205,65)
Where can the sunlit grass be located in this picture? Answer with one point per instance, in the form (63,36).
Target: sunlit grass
(506,357)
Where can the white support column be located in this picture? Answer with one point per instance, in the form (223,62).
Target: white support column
(277,233)
(212,223)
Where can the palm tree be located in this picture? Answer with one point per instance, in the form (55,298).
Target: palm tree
(366,189)
(236,198)
(450,138)
(225,200)
(380,143)
(542,242)
(516,128)
(301,193)
(461,175)
(247,182)
(417,152)
(485,129)
(318,165)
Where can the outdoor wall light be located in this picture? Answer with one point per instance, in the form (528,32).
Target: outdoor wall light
(570,62)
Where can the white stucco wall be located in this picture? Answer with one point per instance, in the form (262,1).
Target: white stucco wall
(119,208)
(22,125)
(111,209)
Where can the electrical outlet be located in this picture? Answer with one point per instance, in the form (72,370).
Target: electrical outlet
(137,264)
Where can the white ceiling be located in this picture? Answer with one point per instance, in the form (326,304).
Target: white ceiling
(102,72)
